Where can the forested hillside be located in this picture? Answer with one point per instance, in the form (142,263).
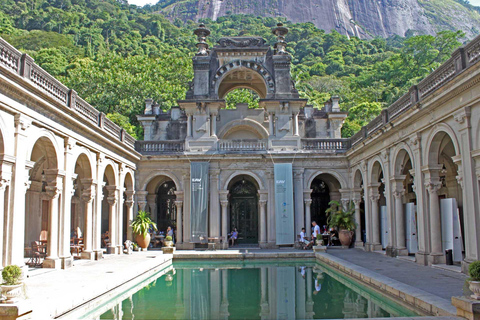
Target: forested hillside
(116,55)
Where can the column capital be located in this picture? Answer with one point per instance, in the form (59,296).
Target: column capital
(262,202)
(433,186)
(375,197)
(357,201)
(307,202)
(112,200)
(129,203)
(178,203)
(4,183)
(399,193)
(224,203)
(52,192)
(142,195)
(307,194)
(223,195)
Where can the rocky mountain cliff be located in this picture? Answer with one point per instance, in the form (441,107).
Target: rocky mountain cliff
(362,18)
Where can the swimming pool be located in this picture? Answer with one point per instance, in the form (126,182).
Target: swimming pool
(250,290)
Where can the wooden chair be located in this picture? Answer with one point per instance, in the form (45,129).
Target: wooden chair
(39,252)
(43,237)
(106,240)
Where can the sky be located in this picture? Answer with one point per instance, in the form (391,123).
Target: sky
(475,2)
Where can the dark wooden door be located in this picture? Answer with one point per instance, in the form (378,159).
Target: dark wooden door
(244,212)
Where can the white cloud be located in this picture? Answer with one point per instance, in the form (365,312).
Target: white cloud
(475,2)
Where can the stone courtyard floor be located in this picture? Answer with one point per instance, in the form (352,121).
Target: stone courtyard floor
(53,292)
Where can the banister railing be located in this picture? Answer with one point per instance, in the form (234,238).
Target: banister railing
(338,145)
(242,145)
(160,146)
(23,65)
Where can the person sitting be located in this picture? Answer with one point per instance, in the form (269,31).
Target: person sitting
(170,232)
(233,236)
(304,241)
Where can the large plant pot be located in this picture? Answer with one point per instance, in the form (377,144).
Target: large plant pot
(345,237)
(143,242)
(12,292)
(475,288)
(168,244)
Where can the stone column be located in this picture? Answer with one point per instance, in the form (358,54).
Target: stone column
(224,204)
(433,184)
(298,197)
(52,260)
(112,203)
(186,208)
(307,199)
(374,197)
(3,209)
(358,219)
(214,220)
(142,200)
(179,205)
(271,228)
(213,124)
(129,203)
(97,222)
(65,214)
(398,193)
(270,124)
(152,204)
(263,222)
(88,195)
(189,125)
(295,124)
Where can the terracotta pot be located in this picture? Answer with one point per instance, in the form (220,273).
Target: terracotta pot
(143,242)
(345,237)
(12,292)
(475,288)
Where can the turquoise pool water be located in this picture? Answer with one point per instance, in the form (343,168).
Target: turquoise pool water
(251,290)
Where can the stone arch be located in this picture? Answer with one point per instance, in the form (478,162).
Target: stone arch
(358,178)
(128,180)
(52,151)
(375,169)
(4,148)
(257,72)
(434,140)
(155,174)
(243,125)
(253,175)
(83,160)
(110,172)
(399,155)
(336,175)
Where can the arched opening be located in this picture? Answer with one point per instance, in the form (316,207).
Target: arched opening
(109,202)
(360,218)
(405,203)
(161,199)
(242,77)
(242,96)
(42,200)
(166,214)
(127,214)
(379,208)
(243,208)
(441,156)
(79,201)
(325,188)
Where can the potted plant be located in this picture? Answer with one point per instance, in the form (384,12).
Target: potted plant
(168,242)
(12,286)
(342,220)
(141,226)
(474,280)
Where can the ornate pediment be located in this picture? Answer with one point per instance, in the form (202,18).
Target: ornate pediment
(241,42)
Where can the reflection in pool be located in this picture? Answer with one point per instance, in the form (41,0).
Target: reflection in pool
(253,290)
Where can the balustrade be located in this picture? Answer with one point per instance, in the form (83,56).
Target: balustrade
(242,145)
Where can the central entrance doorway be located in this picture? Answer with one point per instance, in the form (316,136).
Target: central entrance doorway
(244,211)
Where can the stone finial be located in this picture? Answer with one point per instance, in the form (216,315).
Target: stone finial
(202,32)
(148,106)
(335,104)
(280,31)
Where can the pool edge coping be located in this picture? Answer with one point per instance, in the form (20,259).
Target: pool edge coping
(417,298)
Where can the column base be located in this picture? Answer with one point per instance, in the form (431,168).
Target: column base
(112,250)
(98,254)
(421,258)
(55,263)
(263,245)
(66,262)
(390,251)
(271,245)
(185,246)
(88,255)
(359,244)
(465,264)
(119,249)
(401,251)
(376,247)
(436,258)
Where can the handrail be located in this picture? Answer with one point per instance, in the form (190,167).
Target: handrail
(24,66)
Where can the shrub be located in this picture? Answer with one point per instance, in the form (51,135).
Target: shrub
(474,271)
(168,238)
(142,223)
(11,275)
